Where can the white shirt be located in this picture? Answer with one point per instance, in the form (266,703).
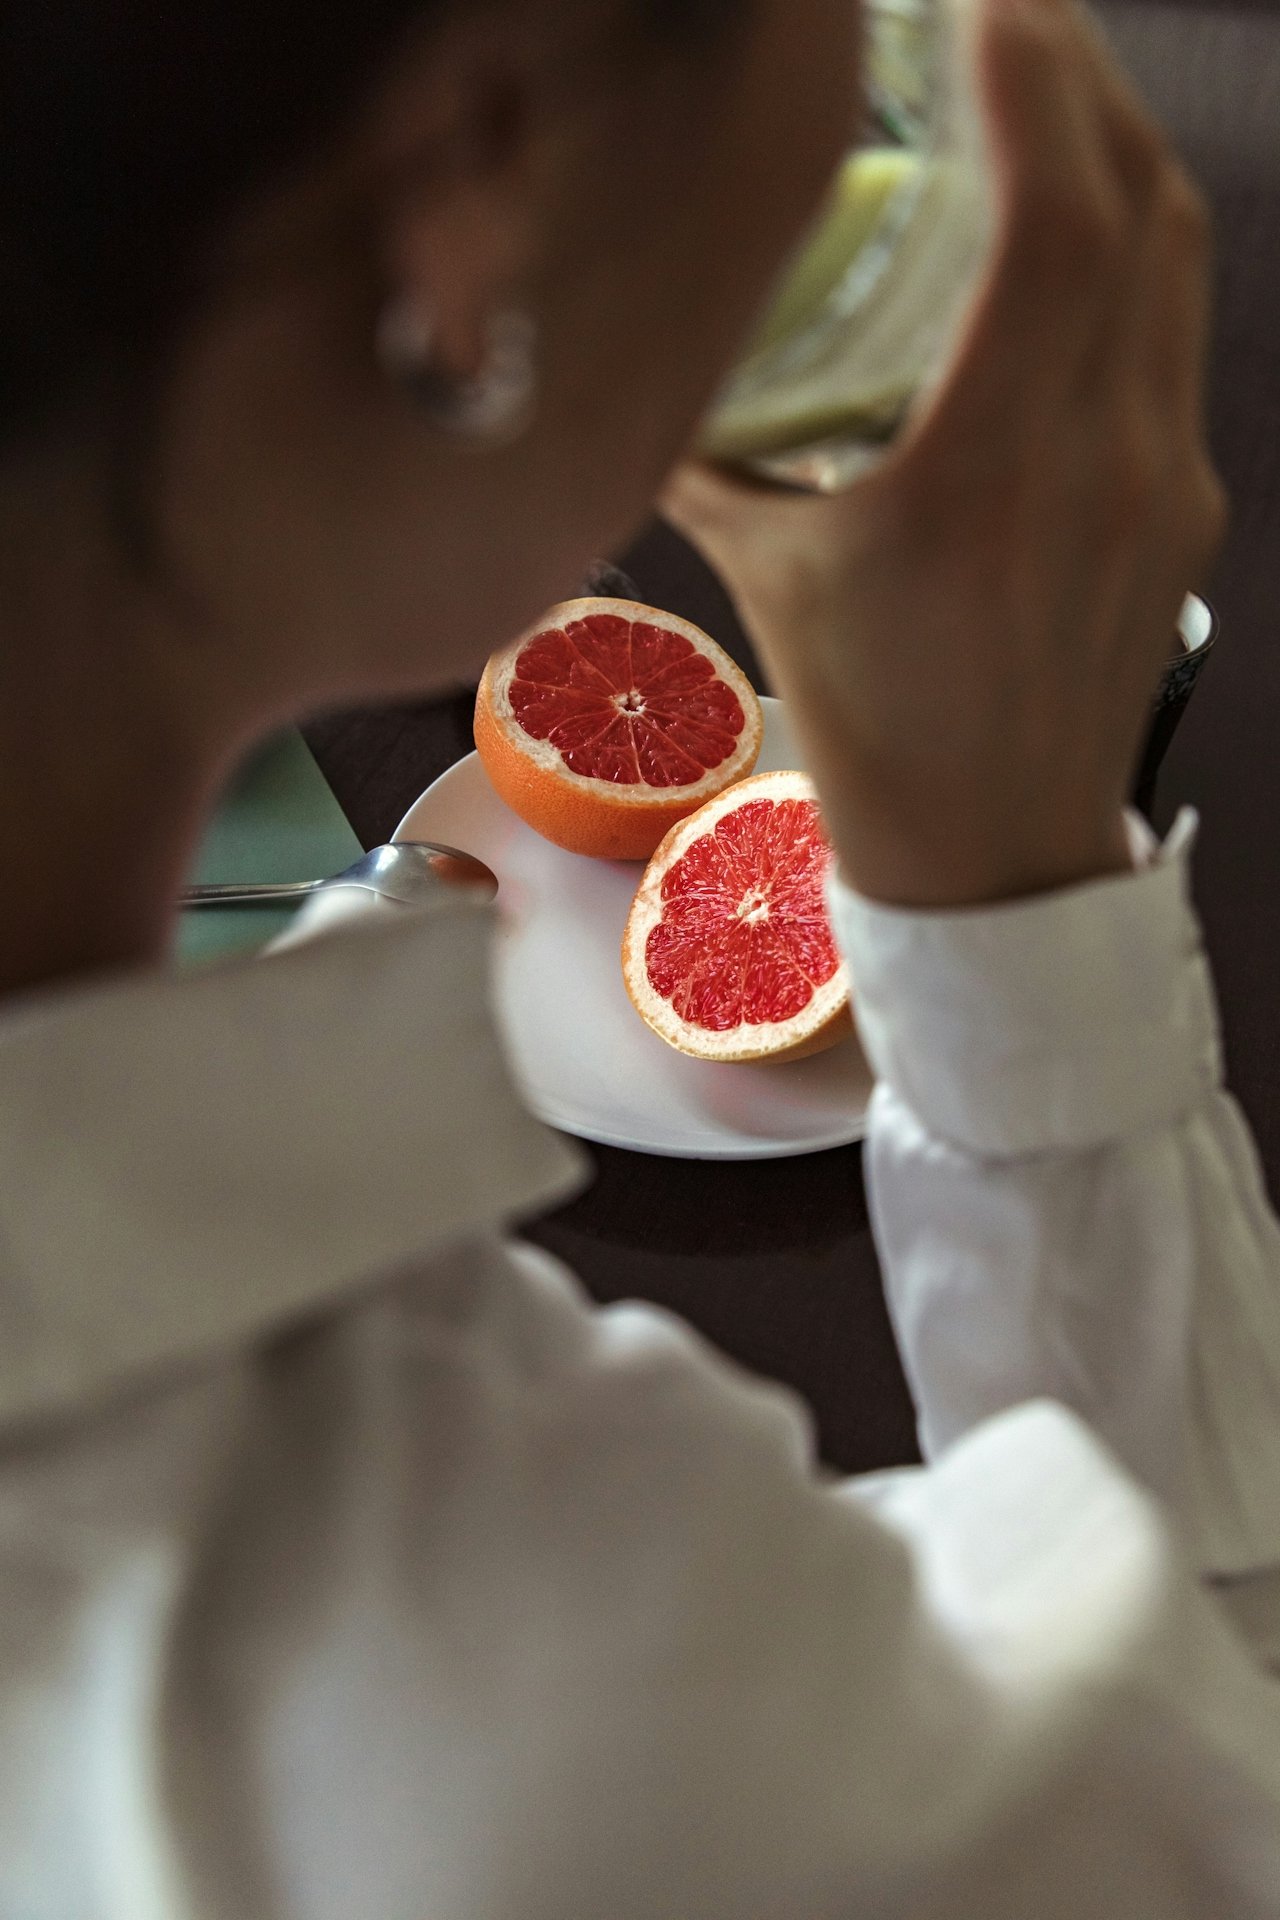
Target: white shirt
(353,1568)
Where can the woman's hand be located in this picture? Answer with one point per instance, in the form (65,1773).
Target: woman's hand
(969,639)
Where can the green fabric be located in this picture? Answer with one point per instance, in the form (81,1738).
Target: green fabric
(278,821)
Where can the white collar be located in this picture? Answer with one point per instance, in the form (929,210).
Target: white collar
(185,1164)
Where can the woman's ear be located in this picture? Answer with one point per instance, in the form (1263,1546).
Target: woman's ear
(456,165)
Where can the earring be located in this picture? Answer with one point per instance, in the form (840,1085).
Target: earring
(493,408)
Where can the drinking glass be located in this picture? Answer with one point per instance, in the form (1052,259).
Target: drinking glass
(862,321)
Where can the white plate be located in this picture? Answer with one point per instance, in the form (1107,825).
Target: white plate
(585,1060)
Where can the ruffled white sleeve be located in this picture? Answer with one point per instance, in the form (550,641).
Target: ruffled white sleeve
(1067,1204)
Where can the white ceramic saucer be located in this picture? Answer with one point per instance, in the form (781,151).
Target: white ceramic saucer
(585,1061)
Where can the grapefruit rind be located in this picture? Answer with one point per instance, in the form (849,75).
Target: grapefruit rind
(575,812)
(826,1020)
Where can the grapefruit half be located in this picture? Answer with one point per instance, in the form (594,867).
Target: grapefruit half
(609,722)
(728,952)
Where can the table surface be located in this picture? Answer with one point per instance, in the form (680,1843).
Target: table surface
(775,1262)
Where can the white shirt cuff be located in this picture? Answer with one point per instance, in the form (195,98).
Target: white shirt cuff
(1056,1023)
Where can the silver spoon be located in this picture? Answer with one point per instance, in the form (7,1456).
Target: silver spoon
(412,871)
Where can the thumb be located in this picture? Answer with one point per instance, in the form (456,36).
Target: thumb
(728,517)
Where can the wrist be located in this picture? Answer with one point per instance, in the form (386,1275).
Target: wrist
(949,869)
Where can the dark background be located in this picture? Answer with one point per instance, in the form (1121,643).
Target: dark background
(774,1261)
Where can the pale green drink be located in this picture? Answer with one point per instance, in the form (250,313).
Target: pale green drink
(782,417)
(862,318)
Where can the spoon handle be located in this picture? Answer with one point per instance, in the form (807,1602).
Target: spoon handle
(248,894)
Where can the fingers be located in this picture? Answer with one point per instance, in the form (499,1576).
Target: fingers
(1162,330)
(1060,242)
(1097,297)
(1167,238)
(1073,413)
(1180,336)
(1053,176)
(1061,209)
(1080,170)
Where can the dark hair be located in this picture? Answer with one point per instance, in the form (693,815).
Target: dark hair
(128,128)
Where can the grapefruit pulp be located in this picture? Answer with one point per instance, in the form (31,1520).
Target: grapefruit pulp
(728,952)
(610,722)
